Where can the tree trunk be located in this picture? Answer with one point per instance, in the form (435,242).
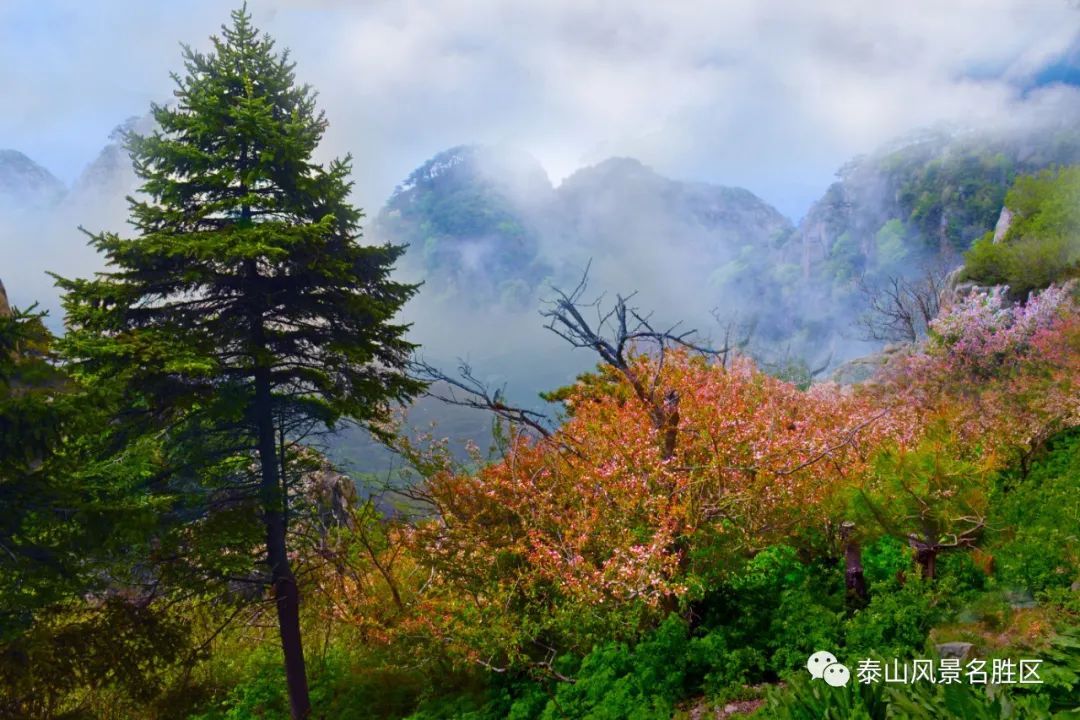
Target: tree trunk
(286,593)
(854,579)
(926,552)
(926,557)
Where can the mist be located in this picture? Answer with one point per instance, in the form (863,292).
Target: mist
(683,152)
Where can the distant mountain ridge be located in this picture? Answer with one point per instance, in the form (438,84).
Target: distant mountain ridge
(489,235)
(25,184)
(486,228)
(485,225)
(108,177)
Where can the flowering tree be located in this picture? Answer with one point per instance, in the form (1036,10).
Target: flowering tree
(994,382)
(607,522)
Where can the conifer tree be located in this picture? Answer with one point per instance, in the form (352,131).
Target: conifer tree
(245,308)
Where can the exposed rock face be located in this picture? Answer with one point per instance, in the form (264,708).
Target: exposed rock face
(955,650)
(939,190)
(5,308)
(864,368)
(1004,222)
(332,494)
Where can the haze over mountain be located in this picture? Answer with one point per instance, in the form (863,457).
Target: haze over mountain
(490,236)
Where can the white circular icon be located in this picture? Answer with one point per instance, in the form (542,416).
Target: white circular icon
(818,662)
(837,675)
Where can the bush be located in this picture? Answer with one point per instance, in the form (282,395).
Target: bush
(884,560)
(342,684)
(895,623)
(965,702)
(804,698)
(616,682)
(775,612)
(1037,544)
(1043,242)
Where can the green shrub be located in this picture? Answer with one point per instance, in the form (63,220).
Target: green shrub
(804,698)
(1042,245)
(884,560)
(965,702)
(775,612)
(895,623)
(1037,521)
(617,682)
(342,685)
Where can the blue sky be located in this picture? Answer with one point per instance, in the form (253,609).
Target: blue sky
(773,95)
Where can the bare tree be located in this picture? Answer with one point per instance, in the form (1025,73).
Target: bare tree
(466,390)
(618,330)
(901,309)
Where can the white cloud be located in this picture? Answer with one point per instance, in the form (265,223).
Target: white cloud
(773,95)
(740,92)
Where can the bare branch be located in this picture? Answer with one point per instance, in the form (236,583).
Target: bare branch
(466,390)
(901,309)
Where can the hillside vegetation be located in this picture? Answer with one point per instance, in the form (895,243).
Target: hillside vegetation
(681,537)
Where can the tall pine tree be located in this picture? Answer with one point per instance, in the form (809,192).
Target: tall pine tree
(244,309)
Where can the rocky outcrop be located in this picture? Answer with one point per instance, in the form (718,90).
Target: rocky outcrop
(5,308)
(1004,222)
(104,184)
(864,368)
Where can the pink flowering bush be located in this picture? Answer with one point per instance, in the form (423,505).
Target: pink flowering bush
(984,333)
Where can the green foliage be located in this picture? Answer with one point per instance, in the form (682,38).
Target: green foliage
(929,493)
(112,652)
(896,622)
(346,682)
(890,244)
(614,681)
(1061,669)
(1036,543)
(72,506)
(965,701)
(845,260)
(884,560)
(956,196)
(34,567)
(772,614)
(805,698)
(243,315)
(465,226)
(1042,245)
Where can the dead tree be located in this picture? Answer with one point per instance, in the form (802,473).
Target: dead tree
(466,390)
(616,333)
(901,309)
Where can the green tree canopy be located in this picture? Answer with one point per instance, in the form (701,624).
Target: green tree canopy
(244,313)
(1042,245)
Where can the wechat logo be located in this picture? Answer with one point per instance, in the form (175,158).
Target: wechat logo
(824,666)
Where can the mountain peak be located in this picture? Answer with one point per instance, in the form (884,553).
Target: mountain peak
(25,183)
(513,171)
